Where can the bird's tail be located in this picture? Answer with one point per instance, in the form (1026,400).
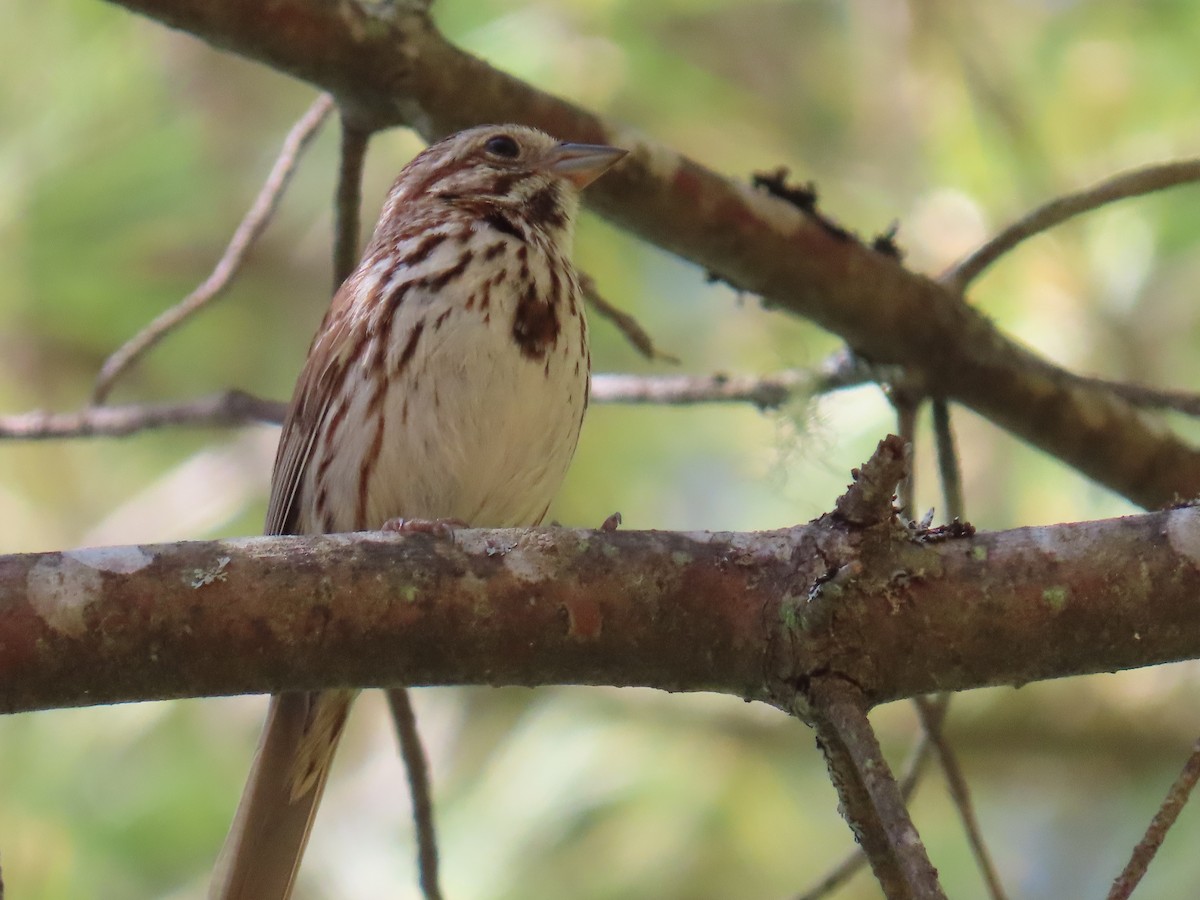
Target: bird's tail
(274,817)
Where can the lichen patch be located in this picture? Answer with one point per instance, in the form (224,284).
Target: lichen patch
(60,589)
(120,560)
(1183,533)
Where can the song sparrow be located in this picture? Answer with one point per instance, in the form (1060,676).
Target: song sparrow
(448,381)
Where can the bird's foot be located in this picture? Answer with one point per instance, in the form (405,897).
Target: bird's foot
(442,528)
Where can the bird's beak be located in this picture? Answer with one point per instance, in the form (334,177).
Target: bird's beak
(581,164)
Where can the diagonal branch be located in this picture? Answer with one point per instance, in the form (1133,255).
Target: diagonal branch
(1164,818)
(416,764)
(914,768)
(348,200)
(389,65)
(625,323)
(1135,183)
(871,801)
(248,231)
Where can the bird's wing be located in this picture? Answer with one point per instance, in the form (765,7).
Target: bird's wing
(313,397)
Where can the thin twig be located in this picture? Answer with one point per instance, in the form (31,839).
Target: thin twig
(226,409)
(1186,402)
(1167,813)
(1128,184)
(625,323)
(932,722)
(764,391)
(348,201)
(247,233)
(914,767)
(949,470)
(416,765)
(232,408)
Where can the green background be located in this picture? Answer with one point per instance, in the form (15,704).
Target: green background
(128,153)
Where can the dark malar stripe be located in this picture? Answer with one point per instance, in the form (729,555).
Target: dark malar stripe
(545,208)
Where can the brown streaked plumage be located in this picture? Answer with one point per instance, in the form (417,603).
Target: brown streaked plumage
(447,381)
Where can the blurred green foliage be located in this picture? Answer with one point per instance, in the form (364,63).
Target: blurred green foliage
(129,152)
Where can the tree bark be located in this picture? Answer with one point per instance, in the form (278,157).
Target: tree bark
(755,615)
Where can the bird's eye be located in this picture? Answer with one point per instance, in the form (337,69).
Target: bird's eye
(502,145)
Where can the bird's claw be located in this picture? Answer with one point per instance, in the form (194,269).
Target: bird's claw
(442,528)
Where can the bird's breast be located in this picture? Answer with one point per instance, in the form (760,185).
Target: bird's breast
(483,401)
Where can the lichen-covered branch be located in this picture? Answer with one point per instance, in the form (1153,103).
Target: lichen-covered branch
(387,64)
(752,615)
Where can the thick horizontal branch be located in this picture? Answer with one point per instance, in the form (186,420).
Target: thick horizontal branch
(754,615)
(387,64)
